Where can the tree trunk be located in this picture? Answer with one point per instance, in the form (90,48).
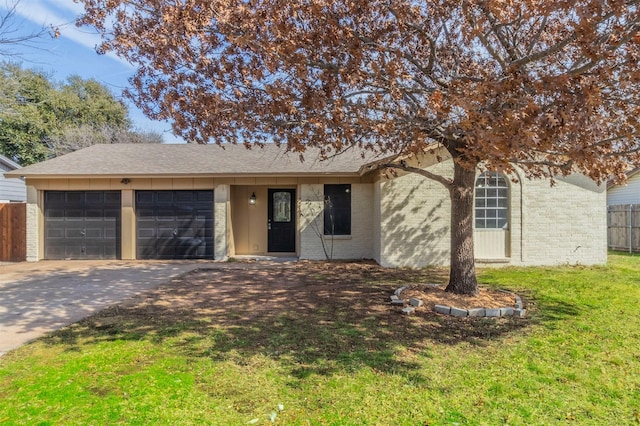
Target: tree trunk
(462,278)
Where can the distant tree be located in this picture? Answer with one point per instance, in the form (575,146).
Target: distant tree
(40,119)
(549,86)
(82,102)
(27,119)
(75,138)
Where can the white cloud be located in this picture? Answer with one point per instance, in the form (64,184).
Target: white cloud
(62,14)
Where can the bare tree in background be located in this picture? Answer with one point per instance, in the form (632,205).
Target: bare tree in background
(75,138)
(12,35)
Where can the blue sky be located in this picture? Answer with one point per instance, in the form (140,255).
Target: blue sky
(73,53)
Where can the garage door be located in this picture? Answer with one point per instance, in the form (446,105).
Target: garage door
(174,224)
(82,224)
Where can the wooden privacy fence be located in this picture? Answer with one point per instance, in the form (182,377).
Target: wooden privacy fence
(13,232)
(623,227)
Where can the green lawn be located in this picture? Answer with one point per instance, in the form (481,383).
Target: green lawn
(574,360)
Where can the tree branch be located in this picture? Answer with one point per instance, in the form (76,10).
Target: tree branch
(589,65)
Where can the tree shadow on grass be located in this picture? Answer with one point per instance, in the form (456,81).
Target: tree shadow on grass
(313,317)
(550,310)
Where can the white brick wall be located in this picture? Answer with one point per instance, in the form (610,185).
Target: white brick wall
(221,199)
(566,223)
(548,225)
(377,208)
(356,246)
(33,222)
(414,220)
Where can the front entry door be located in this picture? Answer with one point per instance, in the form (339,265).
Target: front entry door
(282,220)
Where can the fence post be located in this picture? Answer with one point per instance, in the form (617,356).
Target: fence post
(609,227)
(630,228)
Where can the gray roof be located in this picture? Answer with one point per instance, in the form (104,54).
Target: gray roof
(193,160)
(8,163)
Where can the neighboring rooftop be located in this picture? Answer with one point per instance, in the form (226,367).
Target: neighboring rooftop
(9,164)
(193,160)
(631,173)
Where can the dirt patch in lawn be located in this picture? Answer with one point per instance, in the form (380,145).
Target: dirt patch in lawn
(250,290)
(313,317)
(303,307)
(255,289)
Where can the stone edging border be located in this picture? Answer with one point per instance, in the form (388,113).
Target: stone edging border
(516,311)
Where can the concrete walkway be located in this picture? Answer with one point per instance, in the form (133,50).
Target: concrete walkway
(39,297)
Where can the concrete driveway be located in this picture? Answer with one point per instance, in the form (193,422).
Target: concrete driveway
(39,297)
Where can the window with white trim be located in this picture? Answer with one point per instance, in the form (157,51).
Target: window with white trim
(492,201)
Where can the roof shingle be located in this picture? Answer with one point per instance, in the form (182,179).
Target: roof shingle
(193,160)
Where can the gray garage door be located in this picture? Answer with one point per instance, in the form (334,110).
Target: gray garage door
(174,224)
(82,224)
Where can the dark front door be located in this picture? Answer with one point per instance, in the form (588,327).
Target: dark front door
(282,220)
(82,224)
(174,224)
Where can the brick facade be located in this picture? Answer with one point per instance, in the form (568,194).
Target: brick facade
(400,221)
(548,225)
(358,245)
(33,224)
(566,223)
(221,199)
(414,220)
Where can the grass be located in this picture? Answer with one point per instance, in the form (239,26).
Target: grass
(574,360)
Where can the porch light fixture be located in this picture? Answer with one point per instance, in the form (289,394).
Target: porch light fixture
(125,181)
(252,199)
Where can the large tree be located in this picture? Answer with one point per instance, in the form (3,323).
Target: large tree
(549,87)
(26,116)
(40,119)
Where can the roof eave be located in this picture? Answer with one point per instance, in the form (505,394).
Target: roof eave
(182,175)
(9,163)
